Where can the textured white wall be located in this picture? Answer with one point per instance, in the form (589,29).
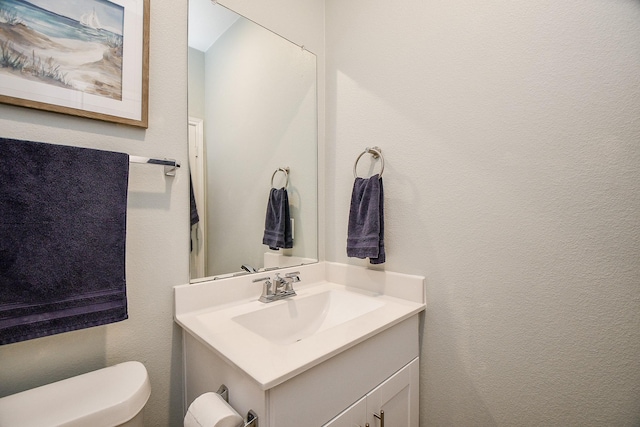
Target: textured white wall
(157,234)
(157,220)
(511,137)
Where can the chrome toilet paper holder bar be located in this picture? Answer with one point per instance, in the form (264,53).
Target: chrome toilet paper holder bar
(252,417)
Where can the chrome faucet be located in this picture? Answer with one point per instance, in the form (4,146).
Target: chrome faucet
(281,288)
(248,268)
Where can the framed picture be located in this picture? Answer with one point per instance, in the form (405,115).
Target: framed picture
(87,58)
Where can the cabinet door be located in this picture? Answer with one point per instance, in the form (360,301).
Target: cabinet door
(353,416)
(396,399)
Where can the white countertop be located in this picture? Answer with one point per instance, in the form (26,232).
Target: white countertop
(270,363)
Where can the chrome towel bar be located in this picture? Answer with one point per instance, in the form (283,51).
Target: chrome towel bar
(170,165)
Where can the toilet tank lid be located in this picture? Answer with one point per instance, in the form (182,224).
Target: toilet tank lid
(106,397)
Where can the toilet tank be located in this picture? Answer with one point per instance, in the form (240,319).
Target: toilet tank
(108,397)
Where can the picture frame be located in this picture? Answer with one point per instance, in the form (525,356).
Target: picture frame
(87,58)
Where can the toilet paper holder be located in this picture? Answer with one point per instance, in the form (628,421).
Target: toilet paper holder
(252,417)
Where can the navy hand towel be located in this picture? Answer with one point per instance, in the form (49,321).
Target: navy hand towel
(62,245)
(193,208)
(365,233)
(277,223)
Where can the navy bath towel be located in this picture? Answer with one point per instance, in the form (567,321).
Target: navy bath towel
(62,239)
(365,233)
(277,223)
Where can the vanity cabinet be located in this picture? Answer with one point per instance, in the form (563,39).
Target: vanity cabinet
(395,400)
(343,349)
(344,390)
(354,416)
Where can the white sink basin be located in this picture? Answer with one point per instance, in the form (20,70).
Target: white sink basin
(292,320)
(276,341)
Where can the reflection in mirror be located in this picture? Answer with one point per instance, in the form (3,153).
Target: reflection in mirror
(252,110)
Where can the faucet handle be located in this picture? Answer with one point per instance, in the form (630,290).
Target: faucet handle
(267,293)
(293,275)
(290,279)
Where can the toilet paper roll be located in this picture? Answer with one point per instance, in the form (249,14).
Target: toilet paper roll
(211,410)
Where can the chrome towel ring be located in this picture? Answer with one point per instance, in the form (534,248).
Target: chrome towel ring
(376,152)
(285,170)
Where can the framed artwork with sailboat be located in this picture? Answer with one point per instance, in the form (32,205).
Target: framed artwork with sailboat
(87,58)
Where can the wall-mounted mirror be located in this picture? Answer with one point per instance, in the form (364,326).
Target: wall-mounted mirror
(252,110)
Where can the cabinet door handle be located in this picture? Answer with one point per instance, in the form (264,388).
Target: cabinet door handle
(380,417)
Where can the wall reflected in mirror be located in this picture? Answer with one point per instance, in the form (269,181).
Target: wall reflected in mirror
(252,110)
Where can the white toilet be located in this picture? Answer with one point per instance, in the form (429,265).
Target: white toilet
(108,397)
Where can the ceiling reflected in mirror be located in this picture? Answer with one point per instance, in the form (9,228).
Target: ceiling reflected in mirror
(207,23)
